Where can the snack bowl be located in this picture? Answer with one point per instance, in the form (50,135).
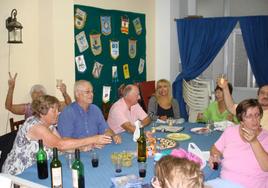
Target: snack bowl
(126,158)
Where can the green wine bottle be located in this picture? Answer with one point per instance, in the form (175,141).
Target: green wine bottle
(55,170)
(141,146)
(41,159)
(78,171)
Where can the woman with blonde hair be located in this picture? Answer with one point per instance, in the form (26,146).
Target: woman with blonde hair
(174,172)
(162,105)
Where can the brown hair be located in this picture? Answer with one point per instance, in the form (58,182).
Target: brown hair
(42,104)
(243,106)
(178,173)
(163,81)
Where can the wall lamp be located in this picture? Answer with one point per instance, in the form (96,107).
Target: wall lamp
(14,28)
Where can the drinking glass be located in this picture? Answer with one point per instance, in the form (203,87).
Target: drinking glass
(153,128)
(59,82)
(94,159)
(118,164)
(69,159)
(142,169)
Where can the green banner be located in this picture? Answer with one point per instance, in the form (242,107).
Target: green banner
(110,48)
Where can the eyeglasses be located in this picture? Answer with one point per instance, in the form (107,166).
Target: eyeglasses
(87,91)
(253,116)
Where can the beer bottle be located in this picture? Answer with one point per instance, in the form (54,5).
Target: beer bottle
(55,170)
(141,146)
(41,159)
(78,171)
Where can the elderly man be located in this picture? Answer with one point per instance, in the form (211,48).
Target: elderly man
(82,118)
(262,99)
(126,111)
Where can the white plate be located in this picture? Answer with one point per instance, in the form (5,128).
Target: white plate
(201,130)
(165,128)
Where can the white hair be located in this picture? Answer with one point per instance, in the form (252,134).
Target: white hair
(37,88)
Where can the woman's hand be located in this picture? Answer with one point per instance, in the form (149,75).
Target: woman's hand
(214,161)
(12,80)
(200,116)
(222,83)
(248,135)
(164,118)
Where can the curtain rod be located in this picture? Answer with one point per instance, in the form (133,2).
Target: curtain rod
(190,17)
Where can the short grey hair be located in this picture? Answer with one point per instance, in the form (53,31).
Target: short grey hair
(77,85)
(127,89)
(37,88)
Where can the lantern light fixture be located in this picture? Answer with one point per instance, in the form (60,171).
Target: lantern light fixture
(14,28)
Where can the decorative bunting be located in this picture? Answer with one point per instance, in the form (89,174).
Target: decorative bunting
(114,72)
(126,71)
(80,18)
(137,26)
(81,41)
(132,48)
(97,69)
(95,44)
(80,63)
(106,28)
(141,66)
(124,24)
(114,49)
(106,90)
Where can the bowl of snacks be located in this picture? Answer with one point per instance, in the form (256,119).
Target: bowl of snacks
(126,158)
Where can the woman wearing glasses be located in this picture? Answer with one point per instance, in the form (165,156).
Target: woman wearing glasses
(244,148)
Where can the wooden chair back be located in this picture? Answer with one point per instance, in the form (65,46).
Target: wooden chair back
(14,125)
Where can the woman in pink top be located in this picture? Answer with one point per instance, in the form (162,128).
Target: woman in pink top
(244,148)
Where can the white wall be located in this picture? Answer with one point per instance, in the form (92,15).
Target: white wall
(47,51)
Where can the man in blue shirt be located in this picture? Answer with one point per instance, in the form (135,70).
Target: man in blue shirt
(82,118)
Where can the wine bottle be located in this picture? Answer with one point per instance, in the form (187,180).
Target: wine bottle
(55,170)
(41,158)
(141,146)
(78,171)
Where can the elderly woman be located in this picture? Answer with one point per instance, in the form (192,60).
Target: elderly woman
(36,91)
(162,105)
(244,148)
(40,126)
(177,172)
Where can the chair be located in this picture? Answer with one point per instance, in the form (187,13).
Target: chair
(196,97)
(14,125)
(105,107)
(147,88)
(6,144)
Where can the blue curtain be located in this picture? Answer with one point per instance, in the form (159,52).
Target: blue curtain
(200,40)
(255,35)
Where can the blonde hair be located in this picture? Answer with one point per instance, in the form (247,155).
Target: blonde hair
(167,83)
(174,172)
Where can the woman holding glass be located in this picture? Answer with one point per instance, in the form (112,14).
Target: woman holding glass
(244,148)
(162,105)
(217,110)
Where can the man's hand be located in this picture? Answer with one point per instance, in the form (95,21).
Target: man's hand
(117,139)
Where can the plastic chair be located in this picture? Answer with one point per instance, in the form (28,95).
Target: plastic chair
(196,97)
(14,125)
